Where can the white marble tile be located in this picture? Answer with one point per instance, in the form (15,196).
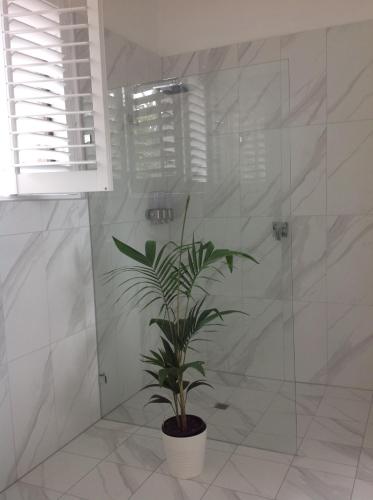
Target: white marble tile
(368,437)
(70,282)
(266,279)
(222,191)
(349,176)
(34,418)
(348,393)
(237,417)
(70,497)
(303,424)
(350,345)
(252,475)
(259,352)
(230,434)
(329,451)
(180,65)
(336,431)
(344,409)
(309,258)
(308,170)
(260,384)
(3,355)
(350,72)
(7,452)
(23,491)
(280,443)
(64,214)
(306,53)
(20,217)
(169,488)
(324,466)
(250,399)
(259,51)
(263,173)
(148,416)
(217,493)
(283,424)
(363,490)
(128,63)
(110,481)
(365,467)
(310,341)
(22,271)
(92,376)
(139,451)
(202,61)
(99,441)
(309,484)
(271,456)
(260,96)
(72,387)
(221,100)
(217,59)
(307,404)
(61,471)
(350,252)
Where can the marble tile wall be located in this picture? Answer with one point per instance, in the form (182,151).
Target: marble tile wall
(121,213)
(48,349)
(48,362)
(306,99)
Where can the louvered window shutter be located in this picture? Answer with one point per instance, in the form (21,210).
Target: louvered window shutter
(56,97)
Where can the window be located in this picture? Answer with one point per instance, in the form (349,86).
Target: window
(165,130)
(53,98)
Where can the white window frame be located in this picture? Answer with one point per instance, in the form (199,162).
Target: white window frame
(12,182)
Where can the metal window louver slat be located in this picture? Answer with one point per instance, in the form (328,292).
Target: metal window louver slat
(56,95)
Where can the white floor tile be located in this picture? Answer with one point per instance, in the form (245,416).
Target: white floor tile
(252,475)
(365,468)
(139,451)
(23,491)
(272,456)
(98,441)
(110,481)
(329,451)
(336,431)
(344,409)
(162,487)
(307,484)
(60,471)
(324,466)
(217,493)
(363,490)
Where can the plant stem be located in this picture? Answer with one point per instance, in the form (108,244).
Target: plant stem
(180,354)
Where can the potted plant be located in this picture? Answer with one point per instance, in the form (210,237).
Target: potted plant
(176,278)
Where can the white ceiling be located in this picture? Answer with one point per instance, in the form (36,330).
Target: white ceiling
(175,26)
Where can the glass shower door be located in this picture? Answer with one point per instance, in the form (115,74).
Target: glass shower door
(222,140)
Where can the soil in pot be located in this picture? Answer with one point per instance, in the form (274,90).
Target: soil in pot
(195,426)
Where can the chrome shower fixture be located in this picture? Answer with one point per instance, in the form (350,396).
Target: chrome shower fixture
(159,215)
(160,210)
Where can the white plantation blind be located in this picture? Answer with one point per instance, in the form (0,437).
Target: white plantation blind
(165,131)
(56,96)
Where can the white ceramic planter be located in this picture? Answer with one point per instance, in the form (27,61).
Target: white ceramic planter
(185,455)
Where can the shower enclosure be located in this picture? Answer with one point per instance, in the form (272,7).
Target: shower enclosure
(218,136)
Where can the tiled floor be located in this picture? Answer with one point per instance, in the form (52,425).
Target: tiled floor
(119,461)
(260,412)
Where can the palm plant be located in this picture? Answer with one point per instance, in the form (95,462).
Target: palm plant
(176,278)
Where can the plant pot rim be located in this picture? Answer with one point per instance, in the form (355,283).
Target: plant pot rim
(170,429)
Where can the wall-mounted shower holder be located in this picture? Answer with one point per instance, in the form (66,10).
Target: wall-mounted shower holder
(280,230)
